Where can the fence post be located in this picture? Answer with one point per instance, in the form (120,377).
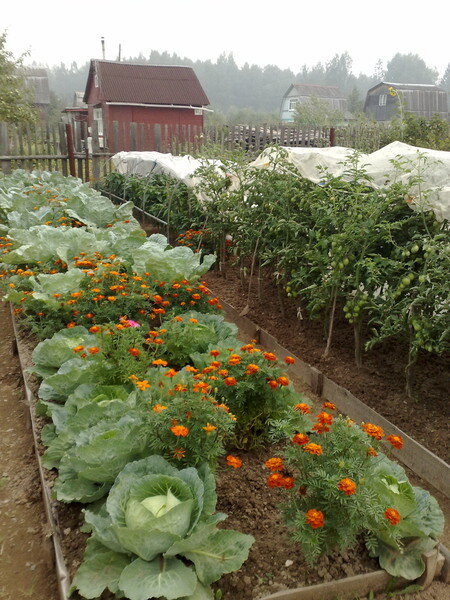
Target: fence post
(95,152)
(332,136)
(70,150)
(4,148)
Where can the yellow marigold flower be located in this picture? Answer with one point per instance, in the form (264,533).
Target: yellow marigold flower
(159,362)
(313,449)
(159,408)
(209,428)
(142,385)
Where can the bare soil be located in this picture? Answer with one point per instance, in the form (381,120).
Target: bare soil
(25,557)
(379,383)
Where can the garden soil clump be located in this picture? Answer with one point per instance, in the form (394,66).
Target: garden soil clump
(275,562)
(379,383)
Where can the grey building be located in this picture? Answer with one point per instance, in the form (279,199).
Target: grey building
(301,93)
(383,101)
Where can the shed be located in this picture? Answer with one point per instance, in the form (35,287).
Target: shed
(299,93)
(78,112)
(383,100)
(36,80)
(170,96)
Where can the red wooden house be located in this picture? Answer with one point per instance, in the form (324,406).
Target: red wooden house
(127,93)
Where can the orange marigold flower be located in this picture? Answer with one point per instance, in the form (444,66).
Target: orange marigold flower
(274,464)
(303,407)
(313,449)
(347,486)
(159,362)
(70,325)
(153,333)
(158,298)
(274,480)
(222,372)
(230,381)
(315,518)
(111,298)
(143,385)
(179,430)
(273,383)
(283,380)
(324,418)
(269,356)
(209,428)
(94,350)
(287,483)
(329,405)
(190,369)
(234,461)
(371,452)
(134,351)
(170,373)
(179,319)
(214,353)
(396,441)
(300,439)
(216,364)
(251,369)
(393,516)
(179,453)
(159,408)
(201,386)
(75,294)
(289,360)
(321,428)
(78,348)
(158,341)
(373,430)
(193,320)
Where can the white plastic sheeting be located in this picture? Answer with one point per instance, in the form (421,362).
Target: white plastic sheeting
(431,166)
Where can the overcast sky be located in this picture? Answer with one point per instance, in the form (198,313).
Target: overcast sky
(287,34)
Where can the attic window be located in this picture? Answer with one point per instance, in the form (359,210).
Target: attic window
(382,99)
(292,103)
(95,80)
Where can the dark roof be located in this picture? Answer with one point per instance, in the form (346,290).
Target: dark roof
(409,86)
(321,91)
(37,81)
(146,84)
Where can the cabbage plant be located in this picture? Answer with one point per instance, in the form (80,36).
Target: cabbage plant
(156,536)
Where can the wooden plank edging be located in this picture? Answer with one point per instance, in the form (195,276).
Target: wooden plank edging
(419,459)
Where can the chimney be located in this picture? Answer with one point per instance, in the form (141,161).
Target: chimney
(103,47)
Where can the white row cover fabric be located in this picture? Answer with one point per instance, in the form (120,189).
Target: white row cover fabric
(431,166)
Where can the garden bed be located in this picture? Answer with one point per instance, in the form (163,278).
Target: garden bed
(380,382)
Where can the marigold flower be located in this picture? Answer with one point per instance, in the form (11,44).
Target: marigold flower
(223,372)
(230,381)
(324,418)
(159,362)
(214,353)
(274,480)
(193,320)
(170,373)
(313,449)
(321,428)
(76,294)
(251,369)
(159,408)
(190,369)
(269,356)
(396,441)
(179,430)
(158,341)
(289,360)
(234,461)
(179,319)
(234,359)
(274,464)
(272,383)
(393,516)
(283,380)
(314,518)
(209,428)
(143,385)
(94,350)
(303,408)
(179,453)
(111,298)
(329,405)
(70,325)
(287,483)
(373,430)
(201,386)
(347,486)
(300,439)
(78,348)
(134,351)
(158,298)
(371,452)
(216,364)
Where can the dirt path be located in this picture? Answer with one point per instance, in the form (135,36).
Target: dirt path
(25,572)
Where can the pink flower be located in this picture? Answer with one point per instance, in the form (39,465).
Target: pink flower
(131,323)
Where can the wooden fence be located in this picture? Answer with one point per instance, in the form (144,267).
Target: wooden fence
(71,149)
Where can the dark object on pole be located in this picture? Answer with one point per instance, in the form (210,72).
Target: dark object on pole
(70,150)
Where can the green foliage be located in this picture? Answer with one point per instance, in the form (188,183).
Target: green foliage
(317,113)
(15,104)
(156,518)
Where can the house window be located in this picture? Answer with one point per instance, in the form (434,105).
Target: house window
(292,103)
(98,116)
(95,80)
(382,99)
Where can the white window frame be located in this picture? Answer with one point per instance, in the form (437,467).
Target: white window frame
(382,98)
(292,103)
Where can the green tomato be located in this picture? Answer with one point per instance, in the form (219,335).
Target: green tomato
(422,278)
(341,265)
(406,281)
(415,249)
(345,261)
